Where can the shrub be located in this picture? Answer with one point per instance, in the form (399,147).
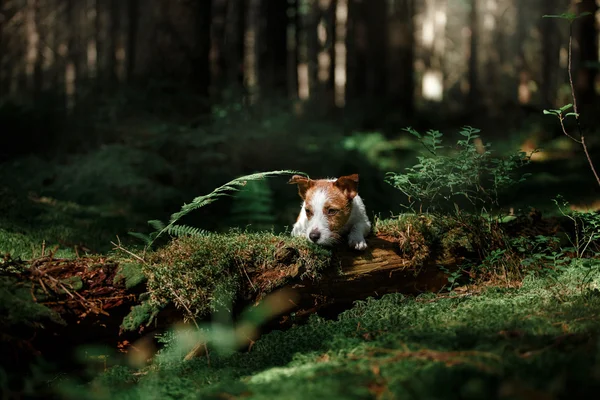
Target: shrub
(470,175)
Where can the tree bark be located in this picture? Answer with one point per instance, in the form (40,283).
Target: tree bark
(550,55)
(400,71)
(474,92)
(217,46)
(234,45)
(2,49)
(357,51)
(588,55)
(114,27)
(252,41)
(292,49)
(132,30)
(200,61)
(376,50)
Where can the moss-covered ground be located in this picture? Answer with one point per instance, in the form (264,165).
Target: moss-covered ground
(538,341)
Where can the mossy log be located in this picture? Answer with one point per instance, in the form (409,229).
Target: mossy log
(382,268)
(92,301)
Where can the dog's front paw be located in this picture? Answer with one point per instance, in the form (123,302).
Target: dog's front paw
(357,243)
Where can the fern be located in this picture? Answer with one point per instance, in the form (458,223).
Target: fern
(186,230)
(253,207)
(201,201)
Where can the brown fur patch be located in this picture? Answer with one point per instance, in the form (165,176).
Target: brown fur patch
(337,199)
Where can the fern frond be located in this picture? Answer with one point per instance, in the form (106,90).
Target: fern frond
(142,236)
(156,224)
(226,189)
(186,230)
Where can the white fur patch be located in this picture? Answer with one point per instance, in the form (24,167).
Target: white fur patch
(357,227)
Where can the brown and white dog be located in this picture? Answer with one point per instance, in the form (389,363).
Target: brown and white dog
(331,208)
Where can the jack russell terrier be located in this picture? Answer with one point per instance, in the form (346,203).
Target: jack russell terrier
(331,208)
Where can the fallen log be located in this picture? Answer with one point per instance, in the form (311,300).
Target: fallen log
(383,268)
(91,297)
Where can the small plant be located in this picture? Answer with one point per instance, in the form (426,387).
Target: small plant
(536,251)
(470,174)
(562,113)
(586,227)
(453,277)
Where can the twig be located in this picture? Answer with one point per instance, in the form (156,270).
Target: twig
(123,249)
(582,140)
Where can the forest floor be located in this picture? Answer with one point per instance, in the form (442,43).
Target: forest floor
(536,341)
(522,322)
(534,335)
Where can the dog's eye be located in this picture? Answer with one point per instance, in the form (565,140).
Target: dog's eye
(308,212)
(332,211)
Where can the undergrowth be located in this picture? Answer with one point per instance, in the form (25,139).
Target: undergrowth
(467,177)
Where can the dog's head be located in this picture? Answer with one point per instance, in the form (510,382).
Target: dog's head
(327,204)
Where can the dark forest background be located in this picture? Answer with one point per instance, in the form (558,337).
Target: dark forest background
(131,108)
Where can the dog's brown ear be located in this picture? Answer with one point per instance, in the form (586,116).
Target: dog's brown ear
(303,183)
(349,185)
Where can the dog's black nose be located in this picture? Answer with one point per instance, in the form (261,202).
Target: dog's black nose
(314,235)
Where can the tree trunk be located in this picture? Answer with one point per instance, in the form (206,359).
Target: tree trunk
(34,57)
(325,29)
(2,50)
(252,42)
(588,55)
(217,46)
(376,54)
(550,55)
(114,27)
(307,48)
(473,98)
(200,61)
(273,46)
(234,47)
(401,55)
(433,39)
(342,49)
(357,50)
(133,18)
(292,49)
(71,62)
(100,38)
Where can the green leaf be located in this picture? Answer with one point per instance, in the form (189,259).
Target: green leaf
(551,112)
(566,107)
(141,236)
(572,114)
(568,16)
(156,224)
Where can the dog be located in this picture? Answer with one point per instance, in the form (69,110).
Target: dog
(331,209)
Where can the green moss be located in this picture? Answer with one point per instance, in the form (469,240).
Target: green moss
(499,344)
(206,273)
(132,273)
(17,306)
(141,314)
